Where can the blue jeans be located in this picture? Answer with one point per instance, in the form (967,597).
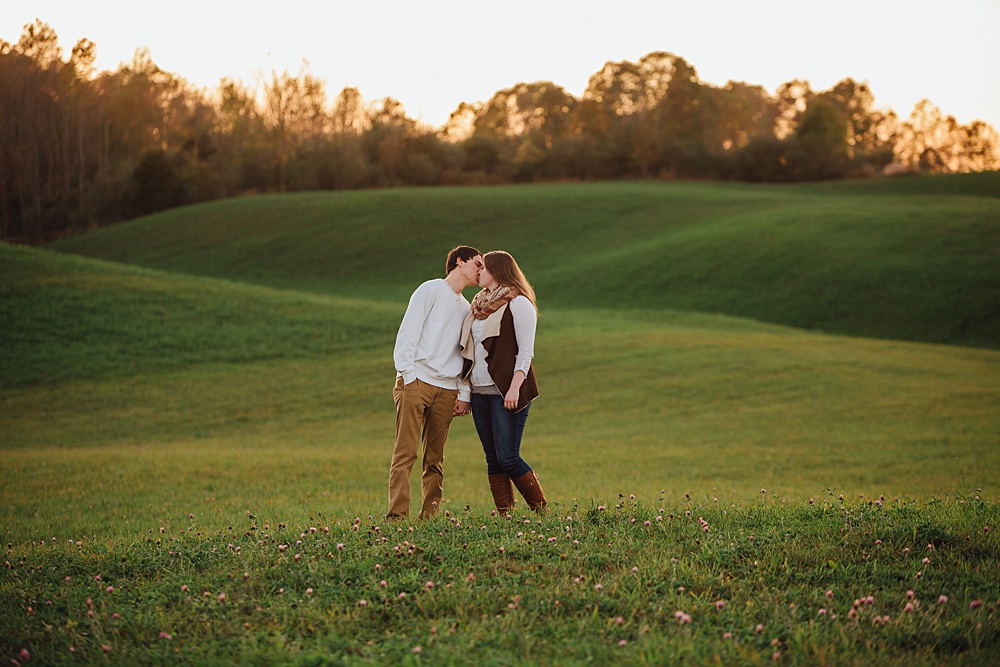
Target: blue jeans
(500,431)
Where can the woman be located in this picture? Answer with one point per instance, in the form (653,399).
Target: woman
(498,341)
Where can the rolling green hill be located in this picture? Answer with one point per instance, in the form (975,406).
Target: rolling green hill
(244,319)
(69,318)
(911,259)
(106,355)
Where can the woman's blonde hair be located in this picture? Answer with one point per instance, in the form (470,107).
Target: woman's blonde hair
(507,273)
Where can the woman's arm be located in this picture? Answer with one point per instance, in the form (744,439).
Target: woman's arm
(525,323)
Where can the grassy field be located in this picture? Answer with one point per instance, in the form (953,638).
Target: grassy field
(177,420)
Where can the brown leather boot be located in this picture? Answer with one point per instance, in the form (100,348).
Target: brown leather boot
(503,493)
(529,487)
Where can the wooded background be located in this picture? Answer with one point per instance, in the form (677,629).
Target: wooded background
(81,148)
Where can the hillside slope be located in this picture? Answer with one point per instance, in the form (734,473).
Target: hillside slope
(102,355)
(71,318)
(913,259)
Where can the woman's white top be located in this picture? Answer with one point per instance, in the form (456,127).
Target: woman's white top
(525,322)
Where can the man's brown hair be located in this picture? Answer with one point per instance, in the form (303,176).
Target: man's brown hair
(462,252)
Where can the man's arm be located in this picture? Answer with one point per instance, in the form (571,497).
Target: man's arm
(408,336)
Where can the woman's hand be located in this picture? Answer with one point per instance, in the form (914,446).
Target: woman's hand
(514,393)
(510,400)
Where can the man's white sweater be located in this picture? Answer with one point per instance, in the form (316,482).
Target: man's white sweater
(428,343)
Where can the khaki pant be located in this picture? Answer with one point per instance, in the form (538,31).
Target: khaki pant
(421,410)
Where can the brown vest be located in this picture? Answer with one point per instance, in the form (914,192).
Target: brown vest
(501,351)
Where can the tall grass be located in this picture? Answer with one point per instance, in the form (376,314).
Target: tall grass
(640,581)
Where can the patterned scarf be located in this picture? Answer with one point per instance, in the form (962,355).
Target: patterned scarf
(486,302)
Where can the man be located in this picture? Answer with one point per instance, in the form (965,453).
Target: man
(429,391)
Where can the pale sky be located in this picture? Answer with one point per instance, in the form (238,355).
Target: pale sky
(433,55)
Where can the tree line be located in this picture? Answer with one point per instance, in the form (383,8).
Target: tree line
(81,148)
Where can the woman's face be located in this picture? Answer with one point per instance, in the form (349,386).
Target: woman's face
(486,278)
